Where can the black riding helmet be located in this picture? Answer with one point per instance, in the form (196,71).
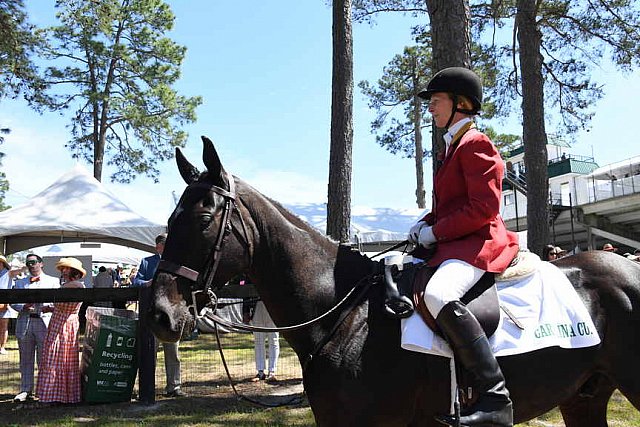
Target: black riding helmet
(457,81)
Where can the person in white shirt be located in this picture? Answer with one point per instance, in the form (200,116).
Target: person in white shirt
(32,323)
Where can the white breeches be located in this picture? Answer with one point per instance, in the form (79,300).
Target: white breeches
(450,282)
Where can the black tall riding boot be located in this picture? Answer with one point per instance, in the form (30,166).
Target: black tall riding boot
(471,348)
(396,306)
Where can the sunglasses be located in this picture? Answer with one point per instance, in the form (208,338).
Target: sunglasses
(32,262)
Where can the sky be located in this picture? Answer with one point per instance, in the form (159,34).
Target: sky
(263,69)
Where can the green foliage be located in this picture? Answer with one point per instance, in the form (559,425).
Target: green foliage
(365,10)
(576,37)
(4,182)
(115,67)
(19,41)
(400,83)
(4,187)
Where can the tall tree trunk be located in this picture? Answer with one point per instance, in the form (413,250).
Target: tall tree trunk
(98,156)
(419,157)
(451,43)
(533,132)
(339,191)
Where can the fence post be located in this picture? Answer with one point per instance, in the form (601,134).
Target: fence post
(146,351)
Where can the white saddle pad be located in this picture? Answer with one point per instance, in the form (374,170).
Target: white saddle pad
(545,303)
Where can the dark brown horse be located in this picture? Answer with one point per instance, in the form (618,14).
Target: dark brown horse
(358,374)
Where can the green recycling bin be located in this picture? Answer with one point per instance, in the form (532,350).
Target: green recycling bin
(109,355)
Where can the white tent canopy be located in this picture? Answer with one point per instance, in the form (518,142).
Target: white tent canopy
(75,208)
(100,253)
(368,225)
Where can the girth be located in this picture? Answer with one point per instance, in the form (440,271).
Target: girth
(481,300)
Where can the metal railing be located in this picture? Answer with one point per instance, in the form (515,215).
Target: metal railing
(517,180)
(591,190)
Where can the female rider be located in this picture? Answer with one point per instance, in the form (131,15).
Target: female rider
(469,236)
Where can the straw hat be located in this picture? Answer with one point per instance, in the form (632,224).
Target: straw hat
(71,263)
(609,247)
(5,262)
(559,251)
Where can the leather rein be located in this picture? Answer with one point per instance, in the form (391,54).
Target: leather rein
(211,266)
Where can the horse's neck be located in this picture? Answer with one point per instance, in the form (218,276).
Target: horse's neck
(299,273)
(290,255)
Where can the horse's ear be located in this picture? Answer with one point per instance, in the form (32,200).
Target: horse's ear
(212,161)
(188,172)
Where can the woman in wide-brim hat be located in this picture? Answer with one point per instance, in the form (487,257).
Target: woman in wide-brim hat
(59,376)
(71,269)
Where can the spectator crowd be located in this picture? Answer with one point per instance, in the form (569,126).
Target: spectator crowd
(47,334)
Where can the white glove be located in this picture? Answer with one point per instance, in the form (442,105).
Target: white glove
(414,232)
(426,237)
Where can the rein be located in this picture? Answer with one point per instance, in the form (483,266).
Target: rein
(365,282)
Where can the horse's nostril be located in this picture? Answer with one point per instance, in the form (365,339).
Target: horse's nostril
(162,318)
(159,317)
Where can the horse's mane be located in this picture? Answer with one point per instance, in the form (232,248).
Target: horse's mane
(344,251)
(290,217)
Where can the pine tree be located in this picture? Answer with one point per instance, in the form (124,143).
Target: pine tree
(19,42)
(403,78)
(115,67)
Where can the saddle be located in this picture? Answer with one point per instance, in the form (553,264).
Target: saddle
(481,299)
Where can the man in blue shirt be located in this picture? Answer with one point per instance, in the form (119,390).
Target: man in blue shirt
(146,271)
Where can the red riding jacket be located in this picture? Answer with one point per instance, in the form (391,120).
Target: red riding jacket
(466,220)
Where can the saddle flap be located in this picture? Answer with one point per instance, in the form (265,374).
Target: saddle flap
(481,300)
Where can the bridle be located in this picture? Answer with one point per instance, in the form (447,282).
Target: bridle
(213,261)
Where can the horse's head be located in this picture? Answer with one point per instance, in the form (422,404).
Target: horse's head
(207,244)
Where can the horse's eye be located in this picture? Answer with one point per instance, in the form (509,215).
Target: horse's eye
(205,220)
